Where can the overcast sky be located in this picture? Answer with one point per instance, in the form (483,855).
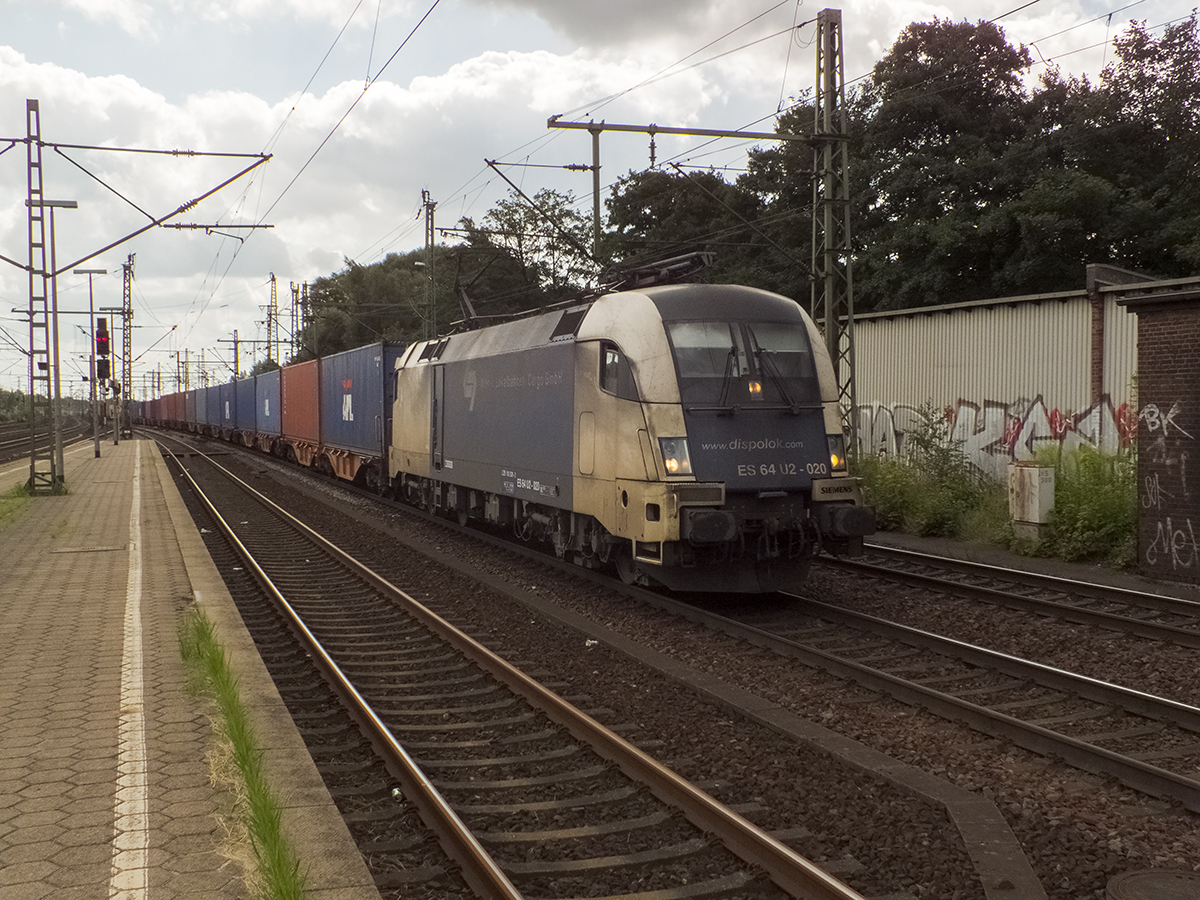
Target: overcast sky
(424,93)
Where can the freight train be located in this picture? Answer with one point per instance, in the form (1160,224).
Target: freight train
(686,435)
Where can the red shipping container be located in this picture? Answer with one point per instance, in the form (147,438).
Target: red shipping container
(299,414)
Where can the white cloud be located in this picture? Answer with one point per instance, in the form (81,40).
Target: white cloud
(130,16)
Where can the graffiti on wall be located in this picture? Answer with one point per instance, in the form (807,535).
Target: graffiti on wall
(994,434)
(1170,538)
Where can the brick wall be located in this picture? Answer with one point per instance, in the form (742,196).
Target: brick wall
(1169,436)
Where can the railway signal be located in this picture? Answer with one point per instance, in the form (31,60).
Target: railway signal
(102,350)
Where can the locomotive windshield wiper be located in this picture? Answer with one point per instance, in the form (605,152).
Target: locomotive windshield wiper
(723,405)
(767,364)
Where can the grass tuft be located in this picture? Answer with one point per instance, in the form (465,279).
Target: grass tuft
(12,504)
(1095,513)
(237,764)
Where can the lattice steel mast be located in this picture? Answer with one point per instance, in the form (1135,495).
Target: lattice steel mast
(43,466)
(272,326)
(832,286)
(126,420)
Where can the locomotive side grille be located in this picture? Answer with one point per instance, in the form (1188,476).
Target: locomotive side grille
(698,494)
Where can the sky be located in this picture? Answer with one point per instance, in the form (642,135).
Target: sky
(363,105)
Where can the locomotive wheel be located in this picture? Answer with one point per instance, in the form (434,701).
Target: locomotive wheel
(625,567)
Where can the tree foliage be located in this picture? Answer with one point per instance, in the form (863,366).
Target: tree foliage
(550,242)
(967,184)
(968,181)
(656,215)
(14,406)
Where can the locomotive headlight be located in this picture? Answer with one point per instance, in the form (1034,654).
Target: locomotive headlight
(675,455)
(837,453)
(755,388)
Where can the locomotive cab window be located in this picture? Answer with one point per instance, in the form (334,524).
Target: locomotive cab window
(744,364)
(615,375)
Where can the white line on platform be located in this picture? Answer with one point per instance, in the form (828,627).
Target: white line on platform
(131,839)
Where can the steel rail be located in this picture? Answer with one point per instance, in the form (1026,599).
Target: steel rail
(1081,615)
(790,871)
(1076,586)
(1140,702)
(479,869)
(1134,773)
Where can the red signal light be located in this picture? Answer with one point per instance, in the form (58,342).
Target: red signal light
(102,342)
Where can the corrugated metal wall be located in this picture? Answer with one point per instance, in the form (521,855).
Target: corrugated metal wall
(1013,376)
(1003,352)
(1120,353)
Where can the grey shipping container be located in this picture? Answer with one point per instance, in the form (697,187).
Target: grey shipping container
(212,395)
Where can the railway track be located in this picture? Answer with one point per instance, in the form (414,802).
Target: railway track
(1155,616)
(1148,743)
(528,795)
(15,438)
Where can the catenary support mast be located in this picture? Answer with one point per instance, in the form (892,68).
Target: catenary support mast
(832,286)
(126,420)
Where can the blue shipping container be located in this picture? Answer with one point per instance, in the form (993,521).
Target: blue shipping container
(356,398)
(266,406)
(212,398)
(244,418)
(227,405)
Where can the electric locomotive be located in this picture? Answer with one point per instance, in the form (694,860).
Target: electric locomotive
(687,434)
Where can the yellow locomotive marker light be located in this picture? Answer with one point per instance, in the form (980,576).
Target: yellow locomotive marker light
(837,453)
(755,388)
(676,459)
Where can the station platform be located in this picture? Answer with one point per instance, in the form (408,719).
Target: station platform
(105,789)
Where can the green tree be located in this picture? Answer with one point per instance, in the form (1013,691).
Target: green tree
(14,406)
(655,215)
(262,366)
(944,107)
(361,304)
(512,262)
(1139,133)
(549,245)
(781,176)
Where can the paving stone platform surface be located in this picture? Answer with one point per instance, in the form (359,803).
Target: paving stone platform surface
(105,789)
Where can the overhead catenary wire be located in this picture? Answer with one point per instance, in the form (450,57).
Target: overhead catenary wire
(370,81)
(662,73)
